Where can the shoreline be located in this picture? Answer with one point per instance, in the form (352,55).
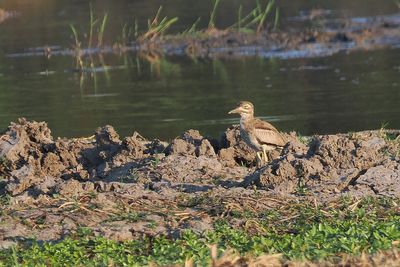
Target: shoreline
(333,36)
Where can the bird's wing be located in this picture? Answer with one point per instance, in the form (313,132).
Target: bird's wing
(266,133)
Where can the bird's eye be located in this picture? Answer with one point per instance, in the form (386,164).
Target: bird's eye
(246,106)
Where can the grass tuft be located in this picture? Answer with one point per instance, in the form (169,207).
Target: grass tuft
(192,29)
(211,22)
(157,27)
(92,29)
(256,19)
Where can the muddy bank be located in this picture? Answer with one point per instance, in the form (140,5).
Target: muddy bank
(123,188)
(326,36)
(329,36)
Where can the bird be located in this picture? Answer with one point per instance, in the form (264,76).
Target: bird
(260,135)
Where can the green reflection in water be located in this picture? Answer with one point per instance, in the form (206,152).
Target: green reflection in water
(161,97)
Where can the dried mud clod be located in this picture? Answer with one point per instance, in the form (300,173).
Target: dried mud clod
(27,150)
(234,150)
(334,164)
(35,163)
(32,161)
(192,161)
(149,187)
(192,143)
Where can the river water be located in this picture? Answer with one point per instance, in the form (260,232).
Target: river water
(161,97)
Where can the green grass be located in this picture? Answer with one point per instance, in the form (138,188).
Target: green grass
(192,30)
(93,36)
(157,27)
(386,134)
(94,27)
(4,162)
(211,22)
(392,138)
(300,232)
(256,19)
(4,166)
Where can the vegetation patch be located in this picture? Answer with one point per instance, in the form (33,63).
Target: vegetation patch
(311,233)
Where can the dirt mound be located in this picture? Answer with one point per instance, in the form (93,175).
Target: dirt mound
(52,187)
(360,163)
(33,162)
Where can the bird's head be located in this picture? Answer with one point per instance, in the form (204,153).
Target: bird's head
(244,108)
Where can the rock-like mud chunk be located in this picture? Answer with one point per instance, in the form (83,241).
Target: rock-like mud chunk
(234,150)
(329,163)
(192,143)
(23,148)
(383,180)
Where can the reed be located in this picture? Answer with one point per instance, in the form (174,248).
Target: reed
(76,36)
(157,27)
(100,30)
(192,29)
(263,16)
(211,22)
(256,19)
(276,20)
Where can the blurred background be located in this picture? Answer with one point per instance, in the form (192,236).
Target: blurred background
(164,96)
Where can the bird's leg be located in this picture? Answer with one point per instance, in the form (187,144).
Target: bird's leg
(259,159)
(264,152)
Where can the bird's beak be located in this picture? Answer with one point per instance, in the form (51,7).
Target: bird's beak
(236,110)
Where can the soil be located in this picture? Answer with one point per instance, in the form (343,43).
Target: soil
(123,188)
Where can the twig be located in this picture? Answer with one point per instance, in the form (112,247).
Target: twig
(289,218)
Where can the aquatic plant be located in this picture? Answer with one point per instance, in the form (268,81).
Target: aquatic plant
(156,27)
(92,29)
(93,37)
(276,21)
(76,36)
(193,28)
(263,14)
(81,63)
(256,18)
(101,31)
(211,22)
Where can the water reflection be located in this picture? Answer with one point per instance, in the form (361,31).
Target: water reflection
(163,96)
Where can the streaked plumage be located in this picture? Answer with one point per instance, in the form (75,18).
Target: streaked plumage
(258,134)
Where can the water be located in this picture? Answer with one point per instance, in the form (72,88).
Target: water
(162,97)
